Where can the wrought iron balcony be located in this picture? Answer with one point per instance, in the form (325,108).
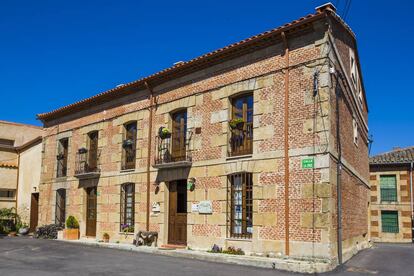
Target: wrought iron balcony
(87,164)
(173,150)
(241,140)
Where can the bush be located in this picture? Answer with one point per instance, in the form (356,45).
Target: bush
(8,220)
(230,250)
(72,223)
(47,231)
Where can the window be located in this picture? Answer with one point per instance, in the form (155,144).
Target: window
(179,136)
(241,125)
(129,146)
(355,131)
(60,210)
(241,205)
(389,220)
(127,207)
(353,68)
(62,157)
(6,142)
(9,194)
(93,151)
(388,184)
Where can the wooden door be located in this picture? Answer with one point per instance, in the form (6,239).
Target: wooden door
(34,211)
(93,151)
(177,219)
(91,211)
(179,133)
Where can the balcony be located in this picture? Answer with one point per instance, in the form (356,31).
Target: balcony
(173,151)
(87,164)
(241,141)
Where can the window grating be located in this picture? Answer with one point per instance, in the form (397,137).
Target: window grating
(240,199)
(388,184)
(127,207)
(389,221)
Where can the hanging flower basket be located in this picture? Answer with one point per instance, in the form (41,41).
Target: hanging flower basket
(164,133)
(60,156)
(237,123)
(127,143)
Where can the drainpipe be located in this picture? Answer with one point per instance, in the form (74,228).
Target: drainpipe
(149,154)
(338,177)
(17,182)
(286,146)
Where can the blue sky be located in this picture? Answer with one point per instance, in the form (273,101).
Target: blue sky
(53,53)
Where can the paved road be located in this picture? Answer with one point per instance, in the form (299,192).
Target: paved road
(25,256)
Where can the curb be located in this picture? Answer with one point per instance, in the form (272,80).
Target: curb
(286,264)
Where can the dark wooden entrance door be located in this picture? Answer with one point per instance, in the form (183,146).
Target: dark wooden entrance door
(34,211)
(91,211)
(177,215)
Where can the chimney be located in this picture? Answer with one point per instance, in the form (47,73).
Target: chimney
(326,7)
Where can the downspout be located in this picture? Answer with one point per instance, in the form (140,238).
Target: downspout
(17,182)
(338,177)
(286,145)
(149,154)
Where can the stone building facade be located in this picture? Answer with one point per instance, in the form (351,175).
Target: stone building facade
(238,147)
(20,166)
(391,208)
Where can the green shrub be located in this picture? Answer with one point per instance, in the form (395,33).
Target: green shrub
(72,223)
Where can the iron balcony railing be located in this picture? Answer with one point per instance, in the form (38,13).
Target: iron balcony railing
(87,163)
(241,140)
(173,149)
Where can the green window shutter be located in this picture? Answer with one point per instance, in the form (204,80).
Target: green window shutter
(388,184)
(389,221)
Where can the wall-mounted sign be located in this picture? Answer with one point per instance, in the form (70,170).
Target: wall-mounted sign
(308,163)
(205,207)
(156,207)
(194,207)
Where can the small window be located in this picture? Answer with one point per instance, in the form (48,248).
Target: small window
(9,194)
(388,185)
(129,146)
(127,207)
(353,68)
(6,142)
(62,157)
(241,205)
(60,210)
(241,125)
(93,151)
(355,131)
(389,220)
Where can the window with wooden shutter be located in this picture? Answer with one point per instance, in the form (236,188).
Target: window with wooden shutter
(388,185)
(60,210)
(62,157)
(127,207)
(129,146)
(241,125)
(93,151)
(389,221)
(240,189)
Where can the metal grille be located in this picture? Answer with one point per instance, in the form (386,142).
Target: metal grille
(389,220)
(62,157)
(60,210)
(127,207)
(129,146)
(169,151)
(241,138)
(240,189)
(388,184)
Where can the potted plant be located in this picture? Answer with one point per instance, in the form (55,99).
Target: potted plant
(105,237)
(237,123)
(82,150)
(164,133)
(23,229)
(71,232)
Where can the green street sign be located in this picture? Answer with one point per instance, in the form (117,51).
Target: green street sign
(308,163)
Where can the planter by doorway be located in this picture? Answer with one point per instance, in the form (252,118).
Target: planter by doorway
(71,234)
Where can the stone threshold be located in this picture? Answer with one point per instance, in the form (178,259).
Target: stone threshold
(282,263)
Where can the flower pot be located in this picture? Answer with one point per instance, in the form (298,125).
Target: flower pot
(71,234)
(12,234)
(24,231)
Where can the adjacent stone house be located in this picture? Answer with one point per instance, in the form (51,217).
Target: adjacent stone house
(391,208)
(243,146)
(20,166)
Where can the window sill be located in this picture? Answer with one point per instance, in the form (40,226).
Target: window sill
(127,170)
(246,156)
(239,239)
